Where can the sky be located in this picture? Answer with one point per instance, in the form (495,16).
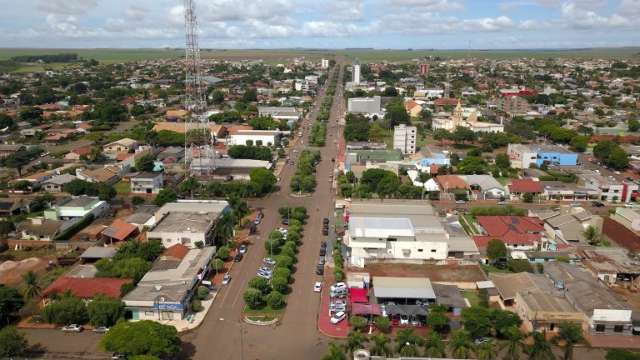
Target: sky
(384,24)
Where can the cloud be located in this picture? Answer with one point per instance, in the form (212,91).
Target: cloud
(430,5)
(345,9)
(629,7)
(581,17)
(66,7)
(135,12)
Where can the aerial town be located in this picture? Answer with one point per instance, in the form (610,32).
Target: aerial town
(319,206)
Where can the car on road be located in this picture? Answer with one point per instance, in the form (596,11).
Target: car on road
(321,262)
(226,279)
(323,245)
(325,232)
(242,249)
(72,328)
(268,261)
(238,257)
(101,329)
(323,251)
(338,317)
(319,270)
(460,202)
(317,287)
(597,204)
(325,221)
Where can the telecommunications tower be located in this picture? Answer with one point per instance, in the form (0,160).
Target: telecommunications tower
(199,150)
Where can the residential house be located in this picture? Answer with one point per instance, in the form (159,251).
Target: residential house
(485,187)
(119,231)
(112,149)
(39,229)
(519,187)
(9,149)
(78,207)
(147,183)
(611,265)
(108,175)
(413,108)
(11,207)
(56,183)
(453,184)
(77,153)
(517,232)
(84,288)
(567,224)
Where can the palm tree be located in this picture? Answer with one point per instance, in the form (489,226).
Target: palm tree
(569,334)
(460,344)
(514,343)
(31,286)
(355,341)
(434,347)
(540,349)
(336,352)
(486,351)
(381,346)
(407,342)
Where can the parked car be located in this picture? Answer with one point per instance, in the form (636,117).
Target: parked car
(338,317)
(321,262)
(242,249)
(101,329)
(285,221)
(72,328)
(268,261)
(323,245)
(320,270)
(325,221)
(238,257)
(460,202)
(323,251)
(226,279)
(317,287)
(597,204)
(325,231)
(118,356)
(339,286)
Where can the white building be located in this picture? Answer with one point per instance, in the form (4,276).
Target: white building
(79,207)
(324,63)
(404,138)
(400,231)
(521,156)
(147,183)
(256,137)
(366,105)
(356,74)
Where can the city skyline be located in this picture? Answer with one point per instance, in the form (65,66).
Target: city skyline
(384,24)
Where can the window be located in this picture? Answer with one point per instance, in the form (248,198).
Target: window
(600,328)
(433,250)
(618,328)
(420,250)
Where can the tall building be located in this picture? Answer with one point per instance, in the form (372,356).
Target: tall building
(404,138)
(325,63)
(424,69)
(356,74)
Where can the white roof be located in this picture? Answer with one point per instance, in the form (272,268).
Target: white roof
(403,287)
(379,227)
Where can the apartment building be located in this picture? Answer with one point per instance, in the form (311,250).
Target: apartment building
(404,138)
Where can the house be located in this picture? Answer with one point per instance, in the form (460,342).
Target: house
(112,149)
(109,175)
(523,156)
(36,180)
(413,108)
(78,207)
(611,265)
(84,288)
(147,183)
(452,184)
(119,231)
(517,232)
(485,187)
(95,253)
(11,207)
(56,183)
(165,292)
(450,297)
(519,187)
(544,311)
(77,153)
(176,115)
(39,229)
(187,222)
(508,285)
(558,190)
(9,149)
(399,231)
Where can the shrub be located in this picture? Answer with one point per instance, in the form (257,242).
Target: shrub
(383,324)
(284,261)
(275,300)
(67,310)
(280,284)
(223,253)
(358,323)
(203,292)
(261,284)
(196,305)
(282,272)
(253,298)
(104,311)
(339,274)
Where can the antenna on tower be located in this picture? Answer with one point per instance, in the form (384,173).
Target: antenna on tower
(199,150)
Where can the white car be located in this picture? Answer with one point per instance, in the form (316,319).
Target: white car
(337,317)
(317,287)
(72,328)
(337,287)
(226,279)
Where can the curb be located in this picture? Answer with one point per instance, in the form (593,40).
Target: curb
(260,323)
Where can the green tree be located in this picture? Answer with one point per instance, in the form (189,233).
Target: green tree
(66,310)
(634,125)
(106,192)
(31,287)
(527,197)
(437,318)
(477,321)
(145,162)
(261,284)
(381,346)
(603,149)
(396,114)
(569,334)
(580,143)
(104,311)
(217,97)
(262,180)
(383,324)
(12,343)
(189,186)
(514,337)
(254,298)
(496,249)
(434,346)
(407,343)
(10,302)
(142,338)
(335,352)
(540,349)
(280,284)
(618,158)
(275,300)
(472,165)
(217,265)
(355,341)
(486,351)
(358,323)
(621,354)
(502,161)
(592,235)
(460,344)
(165,196)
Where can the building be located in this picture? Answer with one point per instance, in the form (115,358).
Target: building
(165,292)
(56,183)
(519,187)
(356,74)
(187,222)
(544,311)
(485,187)
(85,288)
(513,105)
(109,175)
(39,229)
(404,138)
(610,188)
(324,63)
(256,137)
(112,149)
(78,207)
(567,224)
(402,231)
(366,105)
(517,232)
(288,113)
(147,183)
(118,231)
(424,69)
(471,122)
(523,156)
(228,168)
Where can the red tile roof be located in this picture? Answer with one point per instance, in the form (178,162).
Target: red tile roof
(86,288)
(119,230)
(445,101)
(178,251)
(526,186)
(448,182)
(513,230)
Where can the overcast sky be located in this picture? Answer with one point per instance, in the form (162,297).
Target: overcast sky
(418,24)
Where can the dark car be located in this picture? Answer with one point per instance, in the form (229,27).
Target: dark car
(285,221)
(320,270)
(323,245)
(238,257)
(597,204)
(325,221)
(325,231)
(323,251)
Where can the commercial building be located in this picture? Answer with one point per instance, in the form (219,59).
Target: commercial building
(78,207)
(404,138)
(256,137)
(287,113)
(610,188)
(400,231)
(523,156)
(324,63)
(366,105)
(470,121)
(228,168)
(147,183)
(165,292)
(187,222)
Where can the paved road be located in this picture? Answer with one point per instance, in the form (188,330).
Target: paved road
(223,335)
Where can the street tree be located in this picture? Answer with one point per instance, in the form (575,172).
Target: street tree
(460,344)
(142,338)
(31,287)
(10,302)
(12,343)
(254,298)
(104,311)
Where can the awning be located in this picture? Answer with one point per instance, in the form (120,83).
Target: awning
(365,309)
(357,295)
(409,310)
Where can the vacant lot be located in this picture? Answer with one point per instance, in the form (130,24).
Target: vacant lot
(443,273)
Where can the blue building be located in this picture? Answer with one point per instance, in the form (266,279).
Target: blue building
(439,159)
(556,155)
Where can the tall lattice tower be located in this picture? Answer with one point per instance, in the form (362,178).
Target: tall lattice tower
(199,150)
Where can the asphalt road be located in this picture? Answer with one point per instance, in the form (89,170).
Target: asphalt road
(224,335)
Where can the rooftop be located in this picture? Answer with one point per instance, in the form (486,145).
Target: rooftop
(86,288)
(402,287)
(184,222)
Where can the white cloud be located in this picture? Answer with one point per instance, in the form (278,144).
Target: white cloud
(430,5)
(580,17)
(135,12)
(629,7)
(345,9)
(66,7)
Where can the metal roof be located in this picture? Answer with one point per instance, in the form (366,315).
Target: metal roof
(402,287)
(378,227)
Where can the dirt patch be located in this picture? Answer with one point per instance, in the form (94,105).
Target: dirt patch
(11,271)
(443,273)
